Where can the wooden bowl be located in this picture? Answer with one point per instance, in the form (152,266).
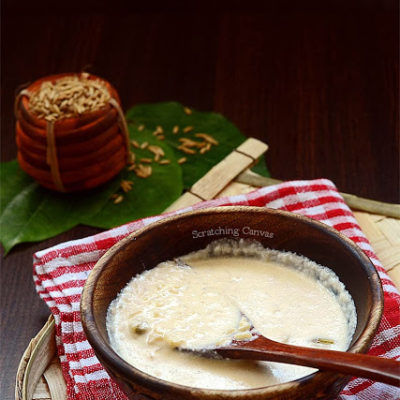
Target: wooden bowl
(176,236)
(90,149)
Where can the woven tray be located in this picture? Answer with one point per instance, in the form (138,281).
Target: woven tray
(39,375)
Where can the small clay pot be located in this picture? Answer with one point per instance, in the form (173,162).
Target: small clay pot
(73,161)
(81,178)
(84,133)
(66,124)
(173,237)
(69,150)
(90,149)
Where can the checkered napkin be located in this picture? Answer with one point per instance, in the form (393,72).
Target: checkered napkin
(60,273)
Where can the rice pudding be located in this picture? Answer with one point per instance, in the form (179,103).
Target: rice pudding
(212,296)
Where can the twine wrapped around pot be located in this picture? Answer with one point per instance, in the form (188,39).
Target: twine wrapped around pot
(67,151)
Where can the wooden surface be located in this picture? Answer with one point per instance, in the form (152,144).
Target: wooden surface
(318,84)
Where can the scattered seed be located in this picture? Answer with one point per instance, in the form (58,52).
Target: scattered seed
(132,158)
(156,150)
(157,157)
(164,162)
(146,160)
(159,130)
(160,137)
(187,110)
(186,150)
(143,171)
(131,167)
(118,199)
(203,150)
(187,129)
(182,160)
(126,186)
(175,129)
(144,145)
(140,128)
(135,144)
(190,143)
(207,138)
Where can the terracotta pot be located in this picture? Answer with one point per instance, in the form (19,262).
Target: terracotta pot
(74,136)
(90,149)
(72,177)
(69,150)
(66,124)
(75,161)
(172,238)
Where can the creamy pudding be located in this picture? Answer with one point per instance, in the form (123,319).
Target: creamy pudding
(227,291)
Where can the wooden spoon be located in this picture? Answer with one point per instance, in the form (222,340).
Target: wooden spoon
(264,349)
(261,348)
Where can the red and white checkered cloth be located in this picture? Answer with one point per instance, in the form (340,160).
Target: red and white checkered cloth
(60,273)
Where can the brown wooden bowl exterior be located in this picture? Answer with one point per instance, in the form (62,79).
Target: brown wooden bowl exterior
(174,237)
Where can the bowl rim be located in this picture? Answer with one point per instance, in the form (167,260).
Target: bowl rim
(361,345)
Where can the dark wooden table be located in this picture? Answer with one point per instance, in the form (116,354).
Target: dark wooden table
(319,85)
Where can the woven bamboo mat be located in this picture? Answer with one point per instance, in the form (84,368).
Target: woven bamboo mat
(39,375)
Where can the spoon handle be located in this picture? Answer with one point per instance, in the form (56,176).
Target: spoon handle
(261,348)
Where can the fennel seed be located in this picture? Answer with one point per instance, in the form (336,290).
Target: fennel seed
(187,129)
(182,160)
